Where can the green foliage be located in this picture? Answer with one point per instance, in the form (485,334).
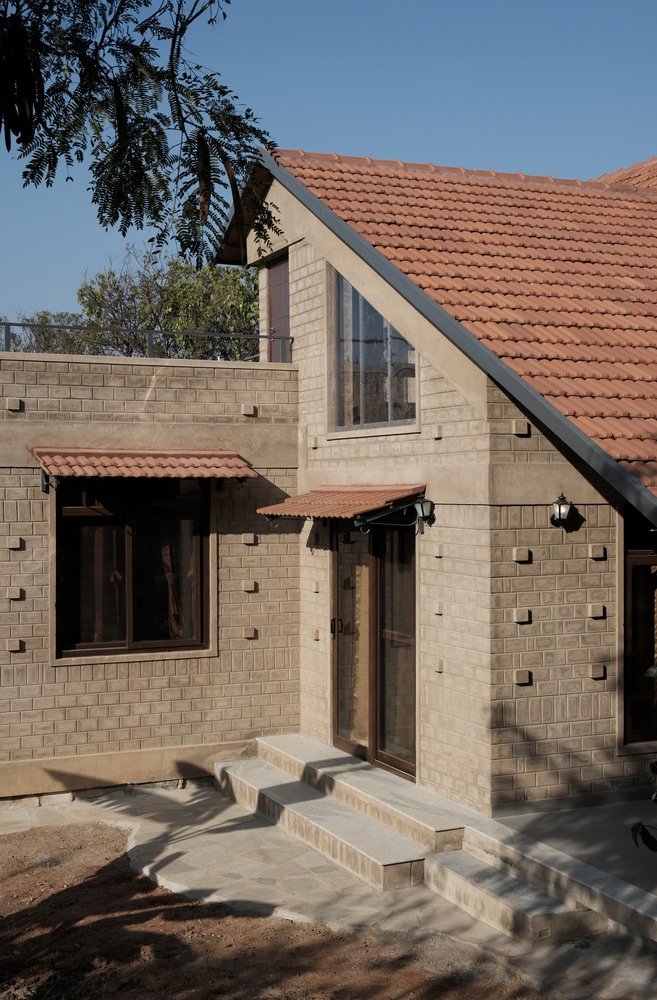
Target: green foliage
(53,333)
(109,83)
(177,300)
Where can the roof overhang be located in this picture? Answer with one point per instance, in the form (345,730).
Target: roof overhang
(147,464)
(346,502)
(623,483)
(243,216)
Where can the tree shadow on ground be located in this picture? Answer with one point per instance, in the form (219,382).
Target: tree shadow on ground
(114,933)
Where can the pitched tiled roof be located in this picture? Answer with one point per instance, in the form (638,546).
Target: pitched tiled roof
(640,175)
(340,501)
(149,464)
(558,278)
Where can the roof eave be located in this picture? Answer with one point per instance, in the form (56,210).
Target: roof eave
(592,455)
(242,218)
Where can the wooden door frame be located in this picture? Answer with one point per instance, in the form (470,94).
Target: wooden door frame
(371,753)
(633,558)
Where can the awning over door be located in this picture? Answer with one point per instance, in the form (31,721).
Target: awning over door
(342,501)
(150,464)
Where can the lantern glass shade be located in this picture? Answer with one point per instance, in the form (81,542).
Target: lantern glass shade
(560,510)
(424,511)
(425,508)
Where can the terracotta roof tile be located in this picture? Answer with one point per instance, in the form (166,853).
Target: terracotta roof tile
(341,501)
(558,278)
(220,464)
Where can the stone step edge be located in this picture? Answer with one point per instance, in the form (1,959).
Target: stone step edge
(579,884)
(321,829)
(352,795)
(506,902)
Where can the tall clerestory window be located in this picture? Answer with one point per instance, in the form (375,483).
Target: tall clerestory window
(375,365)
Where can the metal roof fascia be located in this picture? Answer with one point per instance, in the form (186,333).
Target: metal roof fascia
(591,454)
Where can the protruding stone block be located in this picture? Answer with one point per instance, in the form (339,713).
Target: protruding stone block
(522,555)
(521,428)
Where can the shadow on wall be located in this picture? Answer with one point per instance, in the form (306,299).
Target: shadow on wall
(598,832)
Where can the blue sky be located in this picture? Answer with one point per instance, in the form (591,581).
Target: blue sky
(560,87)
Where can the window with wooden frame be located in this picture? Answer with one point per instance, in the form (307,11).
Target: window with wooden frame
(131,565)
(374,365)
(278,287)
(640,675)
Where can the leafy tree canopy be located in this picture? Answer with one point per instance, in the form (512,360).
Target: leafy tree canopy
(109,83)
(148,293)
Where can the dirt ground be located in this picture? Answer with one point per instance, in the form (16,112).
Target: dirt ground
(78,923)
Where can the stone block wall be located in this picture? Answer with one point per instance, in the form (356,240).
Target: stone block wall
(454,659)
(138,390)
(107,719)
(554,655)
(453,594)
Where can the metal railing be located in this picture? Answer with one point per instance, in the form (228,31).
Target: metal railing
(39,338)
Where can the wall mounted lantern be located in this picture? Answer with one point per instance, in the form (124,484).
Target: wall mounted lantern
(425,511)
(561,509)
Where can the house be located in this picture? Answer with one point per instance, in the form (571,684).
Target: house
(420,529)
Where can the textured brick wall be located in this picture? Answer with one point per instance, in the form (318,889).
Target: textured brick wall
(454,661)
(554,605)
(130,390)
(453,591)
(258,589)
(98,705)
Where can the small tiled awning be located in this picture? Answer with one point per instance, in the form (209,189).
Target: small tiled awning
(151,464)
(342,501)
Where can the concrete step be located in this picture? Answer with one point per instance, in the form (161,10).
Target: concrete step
(412,812)
(505,901)
(374,853)
(579,884)
(428,819)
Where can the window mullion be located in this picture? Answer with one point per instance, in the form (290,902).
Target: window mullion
(129,616)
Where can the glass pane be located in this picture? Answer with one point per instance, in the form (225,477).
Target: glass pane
(402,378)
(165,580)
(101,575)
(347,360)
(373,376)
(641,682)
(375,368)
(397,663)
(353,638)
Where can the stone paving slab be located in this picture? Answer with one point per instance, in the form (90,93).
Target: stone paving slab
(195,842)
